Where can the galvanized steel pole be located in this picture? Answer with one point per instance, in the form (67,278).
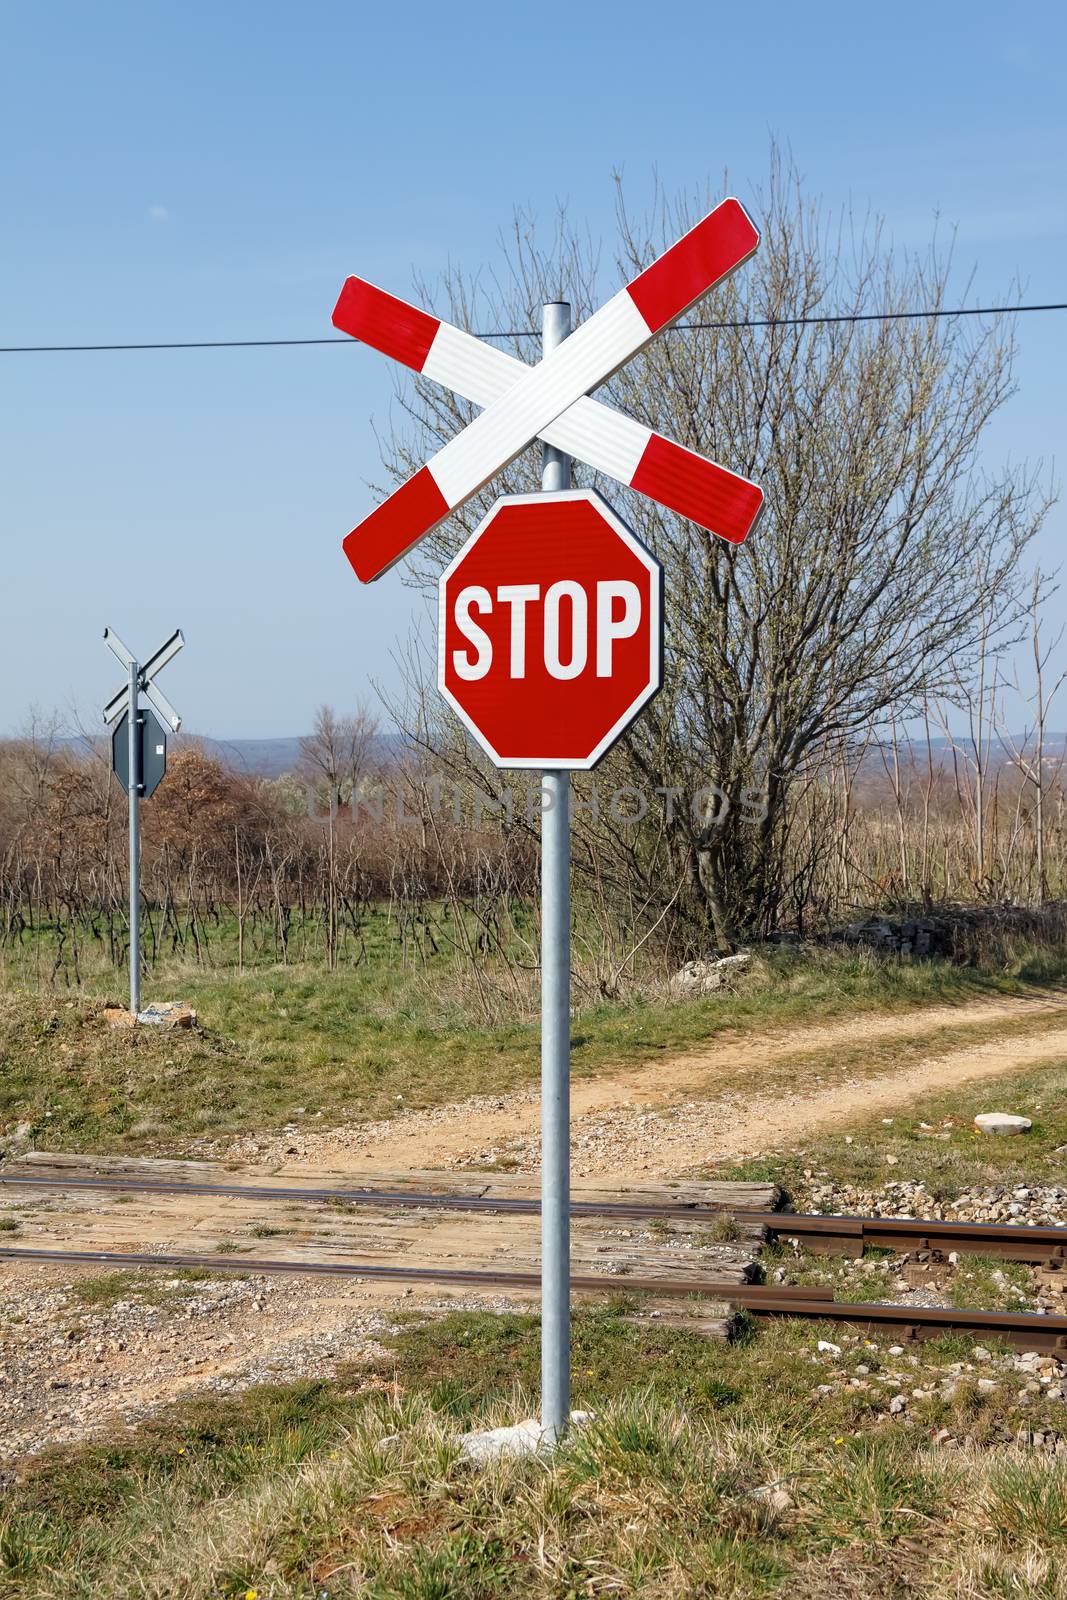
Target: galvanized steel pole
(555,1027)
(134,731)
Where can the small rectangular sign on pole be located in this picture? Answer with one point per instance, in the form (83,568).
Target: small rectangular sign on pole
(151,745)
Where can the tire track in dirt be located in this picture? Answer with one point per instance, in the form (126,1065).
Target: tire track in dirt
(664,1116)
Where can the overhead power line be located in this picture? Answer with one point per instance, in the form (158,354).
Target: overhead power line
(535,333)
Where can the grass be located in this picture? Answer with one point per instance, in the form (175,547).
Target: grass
(708,1472)
(976,1281)
(106,1289)
(989,1281)
(292,1044)
(932,1140)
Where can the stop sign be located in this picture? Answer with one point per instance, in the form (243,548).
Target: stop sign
(549,639)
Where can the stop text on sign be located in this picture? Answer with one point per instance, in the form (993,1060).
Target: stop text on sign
(549,637)
(565,614)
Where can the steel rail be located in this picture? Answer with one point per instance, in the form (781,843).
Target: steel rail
(1033,1242)
(1036,1243)
(1023,1330)
(598,1283)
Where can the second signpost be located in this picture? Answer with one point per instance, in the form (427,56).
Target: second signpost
(139,761)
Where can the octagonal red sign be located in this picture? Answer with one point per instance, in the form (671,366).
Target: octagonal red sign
(550,630)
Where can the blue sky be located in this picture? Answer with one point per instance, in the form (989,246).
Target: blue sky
(182,171)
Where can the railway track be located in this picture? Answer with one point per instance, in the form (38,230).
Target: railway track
(1023,1330)
(1039,1245)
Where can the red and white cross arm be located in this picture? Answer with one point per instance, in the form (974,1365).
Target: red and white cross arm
(534,399)
(723,502)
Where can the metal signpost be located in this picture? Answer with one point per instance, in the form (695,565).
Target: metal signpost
(139,760)
(549,639)
(555,1020)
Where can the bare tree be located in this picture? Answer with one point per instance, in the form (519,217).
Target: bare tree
(334,758)
(337,754)
(884,552)
(1033,765)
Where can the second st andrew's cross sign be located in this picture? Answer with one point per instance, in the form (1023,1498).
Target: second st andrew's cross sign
(549,634)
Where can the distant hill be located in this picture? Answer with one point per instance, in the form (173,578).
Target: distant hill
(267,758)
(263,758)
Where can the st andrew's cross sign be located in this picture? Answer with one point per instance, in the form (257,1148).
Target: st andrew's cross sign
(550,400)
(549,634)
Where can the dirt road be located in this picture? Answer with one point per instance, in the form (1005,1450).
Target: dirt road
(734,1098)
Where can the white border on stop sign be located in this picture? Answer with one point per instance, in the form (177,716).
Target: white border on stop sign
(655,663)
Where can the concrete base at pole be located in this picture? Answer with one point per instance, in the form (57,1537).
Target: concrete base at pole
(526,1438)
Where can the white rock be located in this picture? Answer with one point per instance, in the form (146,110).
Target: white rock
(777,1500)
(830,1349)
(1003,1122)
(168,1014)
(895,1350)
(705,977)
